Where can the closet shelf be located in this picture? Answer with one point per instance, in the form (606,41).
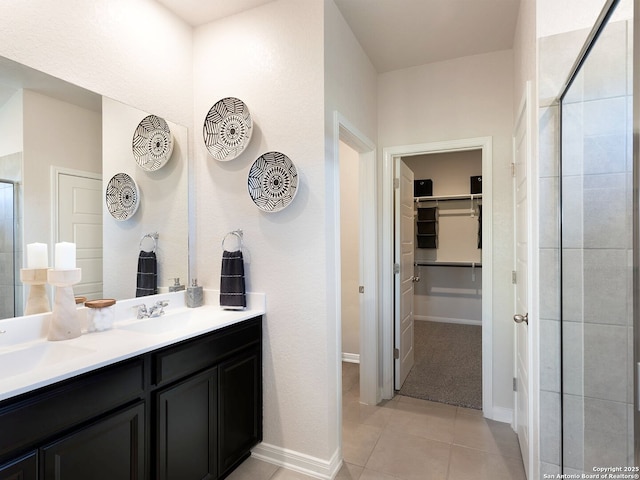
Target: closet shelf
(448,264)
(470,196)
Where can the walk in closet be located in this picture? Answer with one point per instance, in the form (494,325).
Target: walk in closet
(447,302)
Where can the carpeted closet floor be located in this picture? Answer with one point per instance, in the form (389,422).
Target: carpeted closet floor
(448,364)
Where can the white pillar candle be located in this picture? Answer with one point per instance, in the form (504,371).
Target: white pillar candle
(65,256)
(37,255)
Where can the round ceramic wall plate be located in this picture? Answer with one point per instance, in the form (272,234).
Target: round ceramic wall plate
(122,197)
(152,143)
(227,129)
(273,181)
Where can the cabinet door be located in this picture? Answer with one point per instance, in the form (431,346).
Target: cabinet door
(239,408)
(24,468)
(110,449)
(186,439)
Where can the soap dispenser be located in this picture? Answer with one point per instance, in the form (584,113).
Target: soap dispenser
(195,295)
(176,287)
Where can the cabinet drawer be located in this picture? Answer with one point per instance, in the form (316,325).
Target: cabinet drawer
(193,356)
(39,416)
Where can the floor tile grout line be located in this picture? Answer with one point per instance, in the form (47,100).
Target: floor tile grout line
(449,462)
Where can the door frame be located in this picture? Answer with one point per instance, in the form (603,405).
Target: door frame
(390,156)
(345,131)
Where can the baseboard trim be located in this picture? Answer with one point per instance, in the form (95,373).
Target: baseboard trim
(299,462)
(501,414)
(461,321)
(351,357)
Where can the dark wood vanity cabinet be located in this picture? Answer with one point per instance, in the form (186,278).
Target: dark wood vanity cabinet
(187,426)
(24,468)
(239,408)
(108,449)
(192,410)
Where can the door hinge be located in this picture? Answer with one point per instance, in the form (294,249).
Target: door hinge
(361,289)
(396,353)
(513,169)
(396,183)
(396,268)
(513,277)
(515,384)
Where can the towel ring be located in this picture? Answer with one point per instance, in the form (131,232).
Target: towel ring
(153,236)
(235,233)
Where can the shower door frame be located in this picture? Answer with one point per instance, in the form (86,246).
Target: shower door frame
(636,226)
(15,259)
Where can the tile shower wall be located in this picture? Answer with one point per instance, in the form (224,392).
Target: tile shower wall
(549,308)
(597,297)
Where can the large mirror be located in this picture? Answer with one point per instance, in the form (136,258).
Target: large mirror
(59,147)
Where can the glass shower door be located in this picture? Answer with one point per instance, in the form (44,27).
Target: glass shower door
(7,250)
(597,257)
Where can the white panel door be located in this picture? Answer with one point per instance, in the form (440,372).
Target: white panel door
(523,415)
(404,279)
(79,216)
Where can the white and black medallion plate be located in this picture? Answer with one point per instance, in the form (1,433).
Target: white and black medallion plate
(122,196)
(227,129)
(152,143)
(273,181)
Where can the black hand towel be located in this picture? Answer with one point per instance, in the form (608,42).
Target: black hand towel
(232,288)
(147,274)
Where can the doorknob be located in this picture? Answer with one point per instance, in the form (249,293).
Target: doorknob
(521,318)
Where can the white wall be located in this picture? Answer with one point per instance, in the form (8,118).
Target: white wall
(350,248)
(163,205)
(276,67)
(525,55)
(465,98)
(555,17)
(350,88)
(350,79)
(134,51)
(11,125)
(60,134)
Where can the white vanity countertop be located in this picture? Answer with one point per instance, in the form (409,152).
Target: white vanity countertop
(29,361)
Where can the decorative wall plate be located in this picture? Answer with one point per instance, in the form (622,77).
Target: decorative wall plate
(273,181)
(227,129)
(152,143)
(122,197)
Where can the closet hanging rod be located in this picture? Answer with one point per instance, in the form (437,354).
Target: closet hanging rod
(448,264)
(433,198)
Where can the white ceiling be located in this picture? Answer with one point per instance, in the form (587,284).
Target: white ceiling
(199,12)
(404,33)
(398,34)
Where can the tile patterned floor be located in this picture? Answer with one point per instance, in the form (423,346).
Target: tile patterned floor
(411,439)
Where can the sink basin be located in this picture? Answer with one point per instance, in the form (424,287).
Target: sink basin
(23,359)
(159,325)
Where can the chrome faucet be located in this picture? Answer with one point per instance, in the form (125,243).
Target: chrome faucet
(154,311)
(157,308)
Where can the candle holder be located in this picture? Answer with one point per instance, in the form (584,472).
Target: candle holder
(65,323)
(37,301)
